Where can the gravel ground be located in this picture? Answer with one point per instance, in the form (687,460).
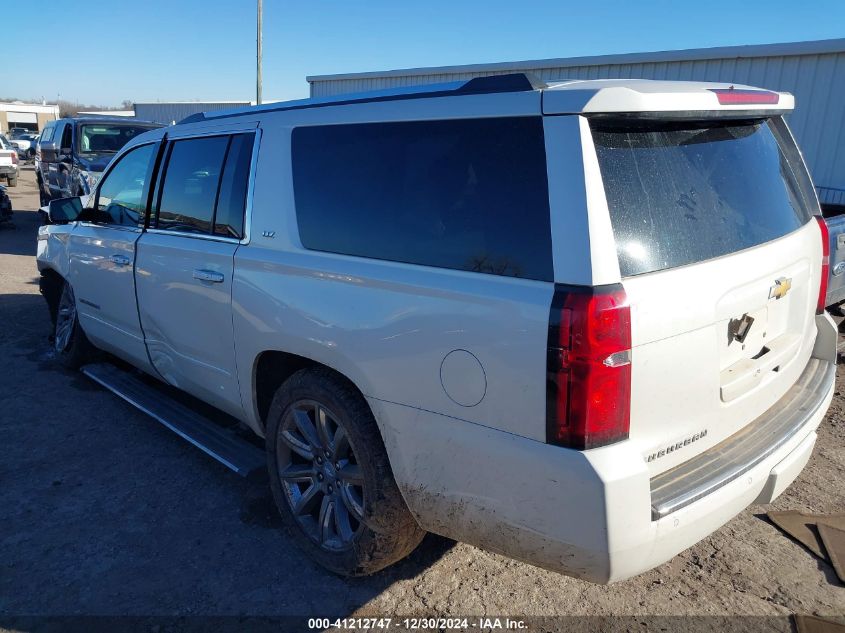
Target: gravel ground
(105,512)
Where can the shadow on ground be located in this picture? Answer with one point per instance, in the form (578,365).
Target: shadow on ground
(105,512)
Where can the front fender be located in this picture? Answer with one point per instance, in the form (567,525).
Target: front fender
(52,248)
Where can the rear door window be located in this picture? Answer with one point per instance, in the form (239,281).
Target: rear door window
(204,185)
(190,184)
(681,193)
(461,194)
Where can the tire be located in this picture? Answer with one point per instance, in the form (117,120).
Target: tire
(69,341)
(13,181)
(337,475)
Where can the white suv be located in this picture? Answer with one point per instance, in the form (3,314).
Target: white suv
(579,324)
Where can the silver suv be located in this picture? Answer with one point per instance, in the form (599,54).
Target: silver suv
(578,324)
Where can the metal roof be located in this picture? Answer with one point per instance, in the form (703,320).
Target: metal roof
(815,47)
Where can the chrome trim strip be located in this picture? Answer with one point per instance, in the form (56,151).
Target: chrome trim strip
(702,475)
(197,236)
(250,190)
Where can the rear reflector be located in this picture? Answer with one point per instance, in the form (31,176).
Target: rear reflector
(588,392)
(820,304)
(734,96)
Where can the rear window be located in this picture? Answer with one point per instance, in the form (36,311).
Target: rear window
(683,193)
(461,194)
(107,138)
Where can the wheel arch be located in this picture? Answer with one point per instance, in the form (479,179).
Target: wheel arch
(272,367)
(50,286)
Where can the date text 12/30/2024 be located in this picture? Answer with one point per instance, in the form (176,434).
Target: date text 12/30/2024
(416,624)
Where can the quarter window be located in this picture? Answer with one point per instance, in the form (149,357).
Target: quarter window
(229,219)
(120,198)
(460,194)
(204,185)
(47,134)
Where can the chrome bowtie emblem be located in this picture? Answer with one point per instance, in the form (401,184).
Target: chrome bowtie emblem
(781,287)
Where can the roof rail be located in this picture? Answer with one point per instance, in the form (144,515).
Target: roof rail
(511,82)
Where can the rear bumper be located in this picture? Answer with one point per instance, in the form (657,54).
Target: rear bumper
(704,474)
(8,170)
(595,514)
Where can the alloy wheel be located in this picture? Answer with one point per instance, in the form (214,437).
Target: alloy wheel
(320,475)
(65,319)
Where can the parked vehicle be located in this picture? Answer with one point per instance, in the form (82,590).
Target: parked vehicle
(72,153)
(834,215)
(5,206)
(581,325)
(25,144)
(8,162)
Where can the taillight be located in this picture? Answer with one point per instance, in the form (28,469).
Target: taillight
(588,393)
(825,265)
(734,96)
(14,157)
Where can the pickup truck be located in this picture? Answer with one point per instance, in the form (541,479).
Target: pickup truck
(25,143)
(8,162)
(580,324)
(72,153)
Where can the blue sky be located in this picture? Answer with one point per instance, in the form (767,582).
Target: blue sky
(102,52)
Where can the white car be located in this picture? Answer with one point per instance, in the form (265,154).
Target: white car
(577,324)
(8,162)
(25,144)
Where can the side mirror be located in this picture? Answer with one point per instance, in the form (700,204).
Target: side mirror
(48,150)
(64,210)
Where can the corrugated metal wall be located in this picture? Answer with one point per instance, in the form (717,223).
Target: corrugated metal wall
(816,80)
(167,113)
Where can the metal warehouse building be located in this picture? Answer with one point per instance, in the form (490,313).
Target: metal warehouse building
(174,111)
(813,71)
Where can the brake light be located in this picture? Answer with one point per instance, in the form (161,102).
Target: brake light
(820,304)
(588,393)
(14,157)
(734,96)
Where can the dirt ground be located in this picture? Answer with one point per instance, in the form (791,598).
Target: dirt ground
(105,512)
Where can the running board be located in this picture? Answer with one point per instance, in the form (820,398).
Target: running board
(215,440)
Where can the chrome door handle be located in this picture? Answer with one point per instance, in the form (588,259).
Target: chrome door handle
(209,275)
(119,260)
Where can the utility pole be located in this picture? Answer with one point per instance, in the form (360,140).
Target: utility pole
(258,55)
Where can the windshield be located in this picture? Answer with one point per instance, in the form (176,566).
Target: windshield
(681,193)
(106,138)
